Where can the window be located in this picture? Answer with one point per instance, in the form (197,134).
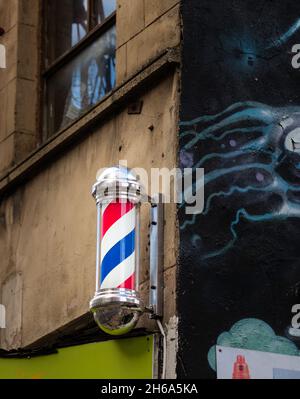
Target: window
(79,66)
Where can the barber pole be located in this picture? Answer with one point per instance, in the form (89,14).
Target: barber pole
(116,305)
(117,241)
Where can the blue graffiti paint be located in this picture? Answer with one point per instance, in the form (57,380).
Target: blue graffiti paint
(287,35)
(252,138)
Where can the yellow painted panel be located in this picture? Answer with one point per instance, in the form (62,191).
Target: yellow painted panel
(125,358)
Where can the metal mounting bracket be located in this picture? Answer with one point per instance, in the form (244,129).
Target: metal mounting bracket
(156,257)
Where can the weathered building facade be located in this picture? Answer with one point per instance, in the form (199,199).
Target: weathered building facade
(160,84)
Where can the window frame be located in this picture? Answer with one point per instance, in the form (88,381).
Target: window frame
(65,58)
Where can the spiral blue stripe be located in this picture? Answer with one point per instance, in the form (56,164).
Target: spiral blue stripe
(117,254)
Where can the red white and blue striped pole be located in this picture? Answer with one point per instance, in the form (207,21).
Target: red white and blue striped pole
(116,305)
(118,231)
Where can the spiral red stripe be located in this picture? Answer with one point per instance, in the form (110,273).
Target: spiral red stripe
(128,284)
(113,212)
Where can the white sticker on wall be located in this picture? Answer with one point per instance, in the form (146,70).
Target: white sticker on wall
(2,56)
(2,316)
(235,363)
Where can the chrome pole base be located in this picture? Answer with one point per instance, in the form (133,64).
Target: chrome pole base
(116,310)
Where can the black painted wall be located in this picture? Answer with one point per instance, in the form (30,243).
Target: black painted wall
(240,110)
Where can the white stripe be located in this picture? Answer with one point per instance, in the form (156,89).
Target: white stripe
(120,229)
(120,273)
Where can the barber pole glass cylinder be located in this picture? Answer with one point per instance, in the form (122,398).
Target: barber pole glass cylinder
(116,305)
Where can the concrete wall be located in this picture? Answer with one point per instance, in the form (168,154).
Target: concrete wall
(48,223)
(19,81)
(47,233)
(145,29)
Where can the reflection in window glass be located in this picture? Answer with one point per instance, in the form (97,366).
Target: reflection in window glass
(80,84)
(102,9)
(67,24)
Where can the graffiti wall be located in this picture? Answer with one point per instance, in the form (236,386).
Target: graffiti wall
(239,278)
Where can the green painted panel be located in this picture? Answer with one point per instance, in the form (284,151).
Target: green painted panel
(125,358)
